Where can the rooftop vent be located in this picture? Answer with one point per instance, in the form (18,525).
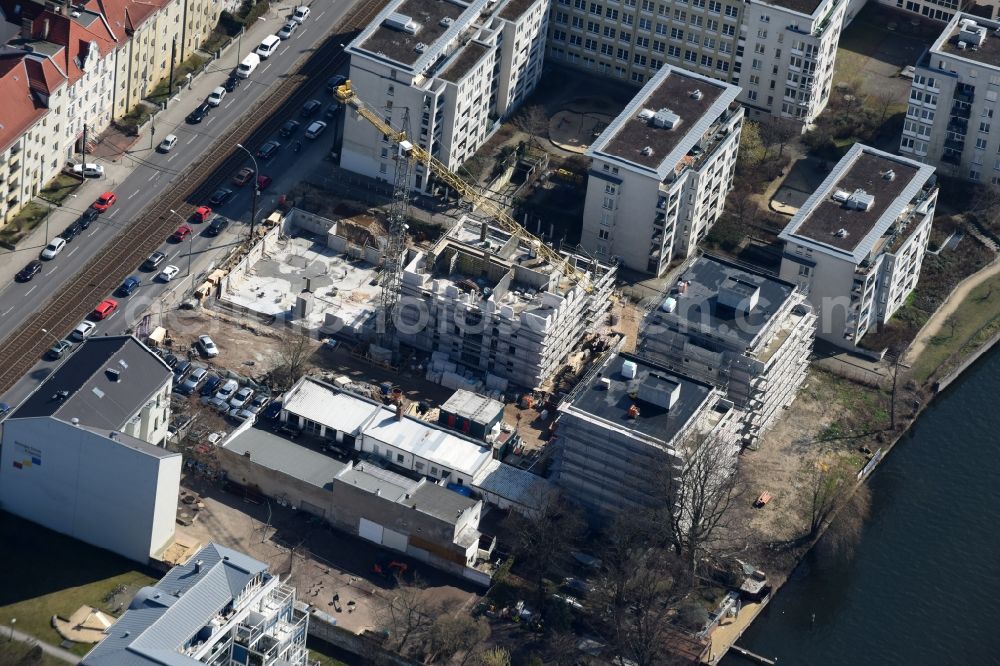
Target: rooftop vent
(889,175)
(840,233)
(113,435)
(659,391)
(647,151)
(646,114)
(840,196)
(113,374)
(697,94)
(666,118)
(420,47)
(740,295)
(629,369)
(860,200)
(75,421)
(402,23)
(962,45)
(446,22)
(60,395)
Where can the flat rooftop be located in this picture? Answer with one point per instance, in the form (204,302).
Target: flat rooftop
(988,53)
(343,295)
(830,222)
(400,46)
(611,404)
(515,8)
(477,408)
(692,104)
(103,383)
(322,403)
(438,501)
(281,455)
(806,7)
(463,61)
(387,485)
(699,307)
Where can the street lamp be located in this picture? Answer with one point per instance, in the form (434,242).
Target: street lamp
(256,188)
(51,335)
(13,621)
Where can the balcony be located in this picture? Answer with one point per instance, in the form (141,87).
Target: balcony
(961,111)
(954,144)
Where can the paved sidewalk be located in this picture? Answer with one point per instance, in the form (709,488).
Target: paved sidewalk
(52,650)
(117,169)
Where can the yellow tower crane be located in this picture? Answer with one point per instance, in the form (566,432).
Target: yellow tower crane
(347,96)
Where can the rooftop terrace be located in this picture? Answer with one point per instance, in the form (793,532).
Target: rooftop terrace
(416,23)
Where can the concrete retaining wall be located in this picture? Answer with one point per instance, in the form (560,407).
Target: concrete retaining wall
(957,372)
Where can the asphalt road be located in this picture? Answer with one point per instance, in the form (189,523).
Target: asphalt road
(153,175)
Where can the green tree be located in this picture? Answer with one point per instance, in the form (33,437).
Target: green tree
(752,149)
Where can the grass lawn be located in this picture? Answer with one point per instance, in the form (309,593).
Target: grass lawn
(194,63)
(976,320)
(52,574)
(29,218)
(23,654)
(318,653)
(60,187)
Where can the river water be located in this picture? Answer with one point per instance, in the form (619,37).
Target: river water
(922,584)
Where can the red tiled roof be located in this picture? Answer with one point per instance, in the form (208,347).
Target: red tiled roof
(19,110)
(43,74)
(75,38)
(125,16)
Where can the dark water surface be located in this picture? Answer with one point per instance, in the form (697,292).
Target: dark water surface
(923,587)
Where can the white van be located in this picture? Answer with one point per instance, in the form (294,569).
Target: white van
(268,46)
(249,64)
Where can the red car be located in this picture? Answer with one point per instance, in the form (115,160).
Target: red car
(263,181)
(201,213)
(182,232)
(243,176)
(105,201)
(104,310)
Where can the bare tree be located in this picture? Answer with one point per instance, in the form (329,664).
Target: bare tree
(696,500)
(406,617)
(290,359)
(844,532)
(984,203)
(542,543)
(497,656)
(456,635)
(881,104)
(830,488)
(534,122)
(951,321)
(778,132)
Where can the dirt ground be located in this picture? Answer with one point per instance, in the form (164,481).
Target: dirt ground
(318,561)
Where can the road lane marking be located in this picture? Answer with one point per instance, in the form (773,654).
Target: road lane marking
(114,213)
(133,194)
(54,269)
(264,69)
(4,314)
(302,32)
(171,157)
(192,138)
(209,121)
(155,174)
(70,253)
(320,15)
(283,51)
(228,104)
(112,315)
(31,290)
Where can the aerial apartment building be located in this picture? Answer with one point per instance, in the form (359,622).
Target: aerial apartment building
(953,99)
(487,300)
(661,170)
(781,53)
(445,71)
(748,333)
(629,425)
(857,244)
(221,607)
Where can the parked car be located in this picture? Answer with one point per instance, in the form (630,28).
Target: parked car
(258,403)
(105,201)
(216,403)
(57,350)
(82,330)
(168,143)
(289,128)
(168,273)
(195,379)
(153,261)
(87,218)
(181,369)
(89,170)
(180,234)
(301,14)
(201,213)
(215,97)
(268,150)
(217,226)
(70,232)
(221,196)
(170,360)
(335,82)
(104,309)
(263,182)
(243,176)
(287,30)
(310,108)
(33,268)
(207,346)
(272,411)
(241,398)
(227,390)
(289,431)
(331,111)
(315,129)
(199,113)
(241,415)
(232,83)
(129,286)
(268,46)
(53,248)
(211,385)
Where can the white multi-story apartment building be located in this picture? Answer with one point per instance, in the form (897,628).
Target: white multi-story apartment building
(444,71)
(221,607)
(950,119)
(858,242)
(630,425)
(938,10)
(781,52)
(486,302)
(748,333)
(661,170)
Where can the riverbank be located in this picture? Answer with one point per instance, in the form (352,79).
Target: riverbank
(822,428)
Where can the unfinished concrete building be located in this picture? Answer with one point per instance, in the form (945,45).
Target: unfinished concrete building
(485,298)
(743,331)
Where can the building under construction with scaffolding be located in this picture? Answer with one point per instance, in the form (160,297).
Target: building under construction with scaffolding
(485,302)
